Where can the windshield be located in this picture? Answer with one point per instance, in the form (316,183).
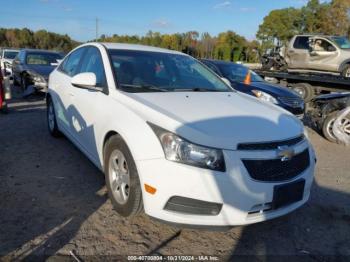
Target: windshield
(341,41)
(142,71)
(238,73)
(10,54)
(47,59)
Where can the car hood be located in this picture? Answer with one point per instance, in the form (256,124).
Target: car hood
(274,90)
(333,96)
(44,71)
(215,119)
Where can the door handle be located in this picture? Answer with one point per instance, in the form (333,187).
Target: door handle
(71,94)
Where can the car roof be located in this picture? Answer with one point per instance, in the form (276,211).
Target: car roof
(39,51)
(10,49)
(221,62)
(135,47)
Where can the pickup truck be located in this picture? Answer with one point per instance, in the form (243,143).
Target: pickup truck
(312,54)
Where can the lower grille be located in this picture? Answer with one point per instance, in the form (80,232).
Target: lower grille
(275,170)
(294,102)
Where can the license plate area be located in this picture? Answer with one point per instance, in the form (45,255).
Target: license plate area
(287,194)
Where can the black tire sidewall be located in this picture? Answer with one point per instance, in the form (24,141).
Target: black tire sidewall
(24,82)
(134,204)
(308,90)
(346,68)
(328,119)
(55,132)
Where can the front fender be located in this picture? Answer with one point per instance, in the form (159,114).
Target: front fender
(135,131)
(343,64)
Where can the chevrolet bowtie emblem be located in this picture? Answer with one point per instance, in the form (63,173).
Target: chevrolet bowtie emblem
(285,153)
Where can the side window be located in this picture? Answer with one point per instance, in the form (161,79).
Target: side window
(92,63)
(322,45)
(302,42)
(71,63)
(21,57)
(213,67)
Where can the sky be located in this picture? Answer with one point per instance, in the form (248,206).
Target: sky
(77,18)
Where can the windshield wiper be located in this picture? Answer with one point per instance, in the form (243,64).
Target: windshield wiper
(195,89)
(146,87)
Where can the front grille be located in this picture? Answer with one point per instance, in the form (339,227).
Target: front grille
(277,170)
(270,145)
(294,102)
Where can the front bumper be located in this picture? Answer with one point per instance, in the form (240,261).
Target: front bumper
(40,86)
(238,193)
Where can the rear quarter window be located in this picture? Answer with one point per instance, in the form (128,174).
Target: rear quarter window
(301,42)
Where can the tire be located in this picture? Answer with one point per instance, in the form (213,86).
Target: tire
(346,71)
(4,109)
(122,179)
(305,91)
(327,126)
(51,119)
(24,82)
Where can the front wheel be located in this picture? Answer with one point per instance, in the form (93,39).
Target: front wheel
(122,179)
(346,71)
(328,124)
(24,82)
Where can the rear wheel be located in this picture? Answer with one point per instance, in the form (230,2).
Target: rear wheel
(122,179)
(305,91)
(346,71)
(51,119)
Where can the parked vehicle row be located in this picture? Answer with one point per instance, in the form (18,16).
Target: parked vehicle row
(7,55)
(33,67)
(176,140)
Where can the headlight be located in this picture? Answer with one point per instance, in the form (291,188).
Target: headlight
(306,133)
(264,96)
(182,151)
(36,77)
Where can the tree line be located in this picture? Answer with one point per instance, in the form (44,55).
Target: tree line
(277,28)
(328,18)
(42,39)
(226,46)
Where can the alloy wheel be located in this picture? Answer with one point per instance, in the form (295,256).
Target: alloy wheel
(119,176)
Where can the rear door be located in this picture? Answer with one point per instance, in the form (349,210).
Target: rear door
(299,54)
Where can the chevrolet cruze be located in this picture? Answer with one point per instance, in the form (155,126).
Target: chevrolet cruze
(175,140)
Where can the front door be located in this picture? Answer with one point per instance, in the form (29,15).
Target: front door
(88,103)
(298,55)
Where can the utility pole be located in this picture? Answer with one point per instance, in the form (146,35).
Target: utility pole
(96,29)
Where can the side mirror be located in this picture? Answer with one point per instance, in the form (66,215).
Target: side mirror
(227,82)
(86,81)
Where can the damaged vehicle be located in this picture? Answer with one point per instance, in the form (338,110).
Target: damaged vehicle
(312,54)
(32,67)
(175,140)
(247,81)
(7,55)
(325,111)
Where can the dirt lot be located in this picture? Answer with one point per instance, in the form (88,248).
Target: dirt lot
(53,201)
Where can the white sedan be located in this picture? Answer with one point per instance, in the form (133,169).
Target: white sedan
(176,140)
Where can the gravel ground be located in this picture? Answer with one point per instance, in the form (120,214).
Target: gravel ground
(53,202)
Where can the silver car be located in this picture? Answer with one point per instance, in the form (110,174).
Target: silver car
(319,54)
